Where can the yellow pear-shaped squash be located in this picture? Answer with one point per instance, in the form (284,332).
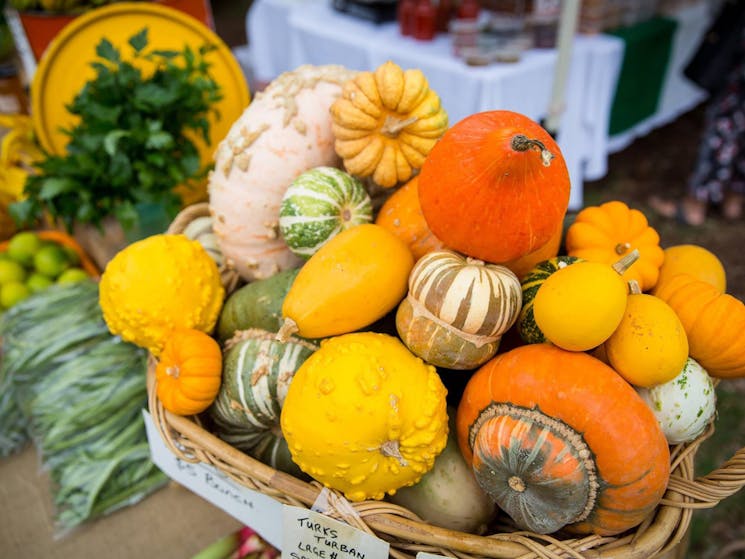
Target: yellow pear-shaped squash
(650,345)
(578,307)
(694,260)
(354,279)
(365,416)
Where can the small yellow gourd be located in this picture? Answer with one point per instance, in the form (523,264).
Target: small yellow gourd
(356,278)
(364,416)
(694,260)
(578,307)
(650,345)
(158,284)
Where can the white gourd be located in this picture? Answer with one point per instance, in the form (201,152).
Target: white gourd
(285,131)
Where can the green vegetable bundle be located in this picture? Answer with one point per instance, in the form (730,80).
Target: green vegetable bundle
(78,392)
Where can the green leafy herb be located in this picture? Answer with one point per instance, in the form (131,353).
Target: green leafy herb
(134,141)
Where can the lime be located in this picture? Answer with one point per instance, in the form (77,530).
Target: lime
(72,275)
(10,271)
(13,292)
(38,282)
(51,260)
(22,247)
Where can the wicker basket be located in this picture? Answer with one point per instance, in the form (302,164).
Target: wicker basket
(407,534)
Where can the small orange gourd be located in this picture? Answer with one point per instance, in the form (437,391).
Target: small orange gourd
(494,187)
(714,323)
(535,424)
(607,232)
(189,371)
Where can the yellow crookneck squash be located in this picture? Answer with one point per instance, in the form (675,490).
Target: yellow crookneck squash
(364,416)
(607,232)
(354,279)
(386,122)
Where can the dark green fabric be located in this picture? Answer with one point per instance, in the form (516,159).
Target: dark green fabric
(645,60)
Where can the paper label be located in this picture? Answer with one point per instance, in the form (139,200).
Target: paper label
(312,535)
(256,510)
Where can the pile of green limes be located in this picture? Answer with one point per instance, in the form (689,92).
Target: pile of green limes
(31,264)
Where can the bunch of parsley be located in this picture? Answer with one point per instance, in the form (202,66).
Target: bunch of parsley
(133,141)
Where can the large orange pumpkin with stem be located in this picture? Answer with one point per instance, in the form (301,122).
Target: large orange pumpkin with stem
(559,439)
(495,186)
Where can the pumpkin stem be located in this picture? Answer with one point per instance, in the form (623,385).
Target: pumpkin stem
(288,328)
(392,126)
(634,287)
(390,449)
(173,371)
(622,248)
(523,143)
(474,261)
(625,263)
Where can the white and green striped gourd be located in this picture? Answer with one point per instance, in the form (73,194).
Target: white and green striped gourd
(457,309)
(257,371)
(319,204)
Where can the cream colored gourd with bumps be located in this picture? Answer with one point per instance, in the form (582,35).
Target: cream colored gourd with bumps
(285,131)
(364,416)
(157,284)
(650,345)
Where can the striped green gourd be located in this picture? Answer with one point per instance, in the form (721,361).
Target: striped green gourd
(457,309)
(319,204)
(257,370)
(526,326)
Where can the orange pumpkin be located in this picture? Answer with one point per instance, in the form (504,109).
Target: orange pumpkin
(607,232)
(714,323)
(189,371)
(494,187)
(547,433)
(402,215)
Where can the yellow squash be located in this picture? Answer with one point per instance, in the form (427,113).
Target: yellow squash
(353,280)
(158,284)
(578,307)
(364,416)
(650,345)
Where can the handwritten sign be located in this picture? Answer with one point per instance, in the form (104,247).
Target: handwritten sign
(254,509)
(311,535)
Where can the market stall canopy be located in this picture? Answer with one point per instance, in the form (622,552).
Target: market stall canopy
(64,69)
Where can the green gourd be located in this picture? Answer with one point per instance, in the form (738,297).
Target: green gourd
(257,371)
(255,305)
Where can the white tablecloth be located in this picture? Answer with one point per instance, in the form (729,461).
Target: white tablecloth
(284,34)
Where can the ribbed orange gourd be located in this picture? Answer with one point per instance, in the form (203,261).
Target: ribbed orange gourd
(536,425)
(494,187)
(189,371)
(607,232)
(714,323)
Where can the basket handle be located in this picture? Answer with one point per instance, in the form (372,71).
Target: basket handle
(707,491)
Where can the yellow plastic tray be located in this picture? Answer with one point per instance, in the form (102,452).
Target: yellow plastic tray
(65,66)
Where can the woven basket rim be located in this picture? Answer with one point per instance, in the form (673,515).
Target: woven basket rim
(408,534)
